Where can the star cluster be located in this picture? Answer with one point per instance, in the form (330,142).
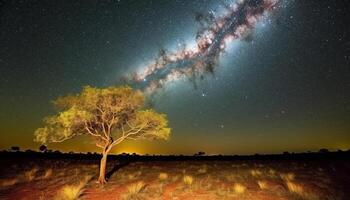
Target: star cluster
(213,36)
(233,76)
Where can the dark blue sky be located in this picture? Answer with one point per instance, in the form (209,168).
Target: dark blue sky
(284,88)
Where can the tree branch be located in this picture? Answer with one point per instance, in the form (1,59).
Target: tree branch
(93,134)
(98,145)
(119,140)
(63,139)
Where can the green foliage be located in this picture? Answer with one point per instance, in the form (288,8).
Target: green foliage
(110,115)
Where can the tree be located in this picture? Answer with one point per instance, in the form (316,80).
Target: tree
(109,115)
(15,148)
(200,153)
(43,148)
(323,151)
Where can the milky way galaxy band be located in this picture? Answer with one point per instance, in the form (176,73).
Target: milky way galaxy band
(211,40)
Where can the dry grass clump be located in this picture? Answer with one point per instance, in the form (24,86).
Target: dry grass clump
(94,166)
(30,174)
(72,192)
(255,172)
(272,173)
(188,180)
(134,189)
(261,165)
(163,176)
(224,193)
(134,175)
(263,185)
(288,176)
(239,188)
(77,171)
(62,173)
(203,169)
(42,196)
(131,176)
(8,182)
(47,173)
(175,178)
(295,188)
(231,177)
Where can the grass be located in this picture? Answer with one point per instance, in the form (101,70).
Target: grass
(30,174)
(239,188)
(255,172)
(288,177)
(163,176)
(47,174)
(8,182)
(61,180)
(134,175)
(203,169)
(188,180)
(271,173)
(134,190)
(72,192)
(295,188)
(262,185)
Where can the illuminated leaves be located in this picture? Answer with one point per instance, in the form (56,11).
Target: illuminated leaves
(102,113)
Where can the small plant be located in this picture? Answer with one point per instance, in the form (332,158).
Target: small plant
(163,176)
(174,178)
(8,182)
(222,192)
(134,175)
(288,176)
(255,172)
(263,185)
(42,196)
(295,188)
(47,174)
(133,190)
(72,192)
(272,173)
(76,171)
(30,174)
(202,170)
(188,180)
(131,176)
(239,188)
(231,177)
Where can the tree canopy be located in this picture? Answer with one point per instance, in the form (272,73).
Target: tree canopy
(110,115)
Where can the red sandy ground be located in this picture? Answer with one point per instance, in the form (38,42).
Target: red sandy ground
(211,180)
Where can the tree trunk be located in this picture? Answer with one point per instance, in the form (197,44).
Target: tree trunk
(102,177)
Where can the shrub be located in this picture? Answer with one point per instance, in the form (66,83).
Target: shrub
(239,188)
(262,185)
(188,180)
(133,190)
(30,174)
(295,188)
(70,192)
(8,182)
(47,173)
(163,176)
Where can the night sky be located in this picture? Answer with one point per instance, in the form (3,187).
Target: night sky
(282,86)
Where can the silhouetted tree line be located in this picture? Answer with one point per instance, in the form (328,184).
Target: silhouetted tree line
(44,152)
